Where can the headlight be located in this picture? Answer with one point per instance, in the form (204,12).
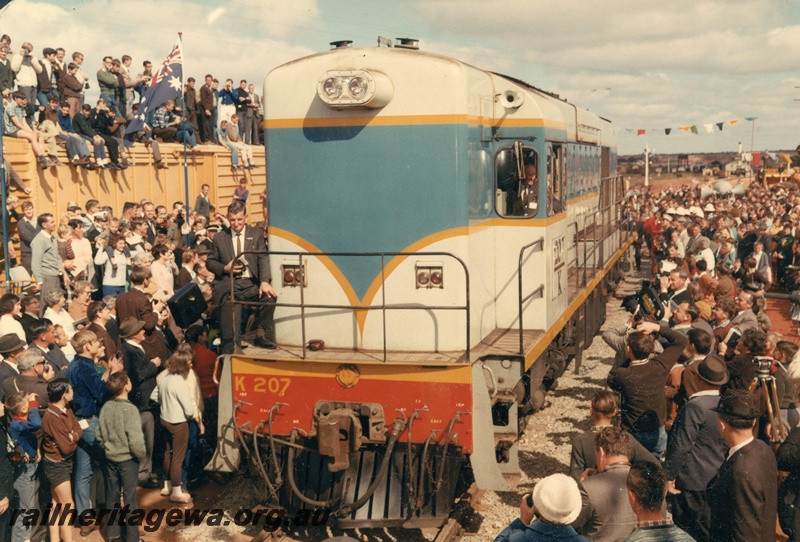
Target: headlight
(332,87)
(355,88)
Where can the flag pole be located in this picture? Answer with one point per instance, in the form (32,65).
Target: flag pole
(183,125)
(4,190)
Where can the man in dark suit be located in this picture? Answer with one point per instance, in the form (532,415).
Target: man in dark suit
(252,277)
(641,384)
(31,309)
(202,206)
(10,347)
(135,304)
(43,340)
(744,495)
(98,314)
(27,228)
(695,449)
(142,371)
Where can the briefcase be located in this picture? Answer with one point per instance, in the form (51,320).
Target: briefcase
(187,305)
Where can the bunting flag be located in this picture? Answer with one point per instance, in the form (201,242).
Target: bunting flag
(694,128)
(167,84)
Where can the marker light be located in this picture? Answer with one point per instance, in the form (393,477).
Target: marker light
(429,275)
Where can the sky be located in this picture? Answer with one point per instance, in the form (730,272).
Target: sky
(644,65)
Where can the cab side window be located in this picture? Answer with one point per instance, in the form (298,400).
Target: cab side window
(517,178)
(556,175)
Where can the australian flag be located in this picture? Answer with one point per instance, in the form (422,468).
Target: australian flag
(167,84)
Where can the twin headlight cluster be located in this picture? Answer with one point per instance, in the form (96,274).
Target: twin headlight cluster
(342,89)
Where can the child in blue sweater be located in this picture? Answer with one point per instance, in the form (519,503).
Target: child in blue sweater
(24,425)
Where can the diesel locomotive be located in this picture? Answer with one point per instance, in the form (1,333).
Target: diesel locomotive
(441,238)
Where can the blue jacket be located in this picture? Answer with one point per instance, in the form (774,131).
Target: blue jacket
(89,389)
(538,532)
(227,97)
(24,433)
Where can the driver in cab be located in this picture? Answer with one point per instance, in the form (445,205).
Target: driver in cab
(527,202)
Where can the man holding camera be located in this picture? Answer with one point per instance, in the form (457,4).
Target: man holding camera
(27,70)
(641,384)
(108,83)
(252,277)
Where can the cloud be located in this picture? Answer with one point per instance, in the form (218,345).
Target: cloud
(641,64)
(243,40)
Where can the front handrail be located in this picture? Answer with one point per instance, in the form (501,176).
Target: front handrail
(522,300)
(383,307)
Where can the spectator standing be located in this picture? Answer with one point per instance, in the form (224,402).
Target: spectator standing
(190,104)
(10,347)
(695,450)
(602,411)
(98,314)
(6,477)
(141,371)
(604,517)
(7,74)
(46,264)
(70,89)
(202,205)
(62,432)
(641,384)
(27,228)
(26,67)
(108,83)
(743,495)
(172,393)
(120,434)
(90,393)
(25,423)
(115,260)
(207,107)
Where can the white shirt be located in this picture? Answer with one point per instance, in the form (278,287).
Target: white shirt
(234,236)
(738,447)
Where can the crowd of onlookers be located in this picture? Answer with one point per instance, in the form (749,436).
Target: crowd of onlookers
(103,391)
(702,393)
(44,105)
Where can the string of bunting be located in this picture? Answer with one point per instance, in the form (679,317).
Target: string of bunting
(693,129)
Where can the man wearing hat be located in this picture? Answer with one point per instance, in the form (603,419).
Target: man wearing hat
(142,373)
(10,346)
(695,449)
(743,496)
(555,503)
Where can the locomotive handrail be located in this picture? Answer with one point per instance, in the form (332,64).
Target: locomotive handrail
(383,307)
(522,300)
